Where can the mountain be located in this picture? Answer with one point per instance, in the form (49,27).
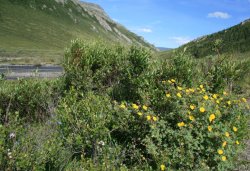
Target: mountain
(163,48)
(235,39)
(44,28)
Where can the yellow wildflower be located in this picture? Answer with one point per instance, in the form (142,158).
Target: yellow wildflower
(227,134)
(139,113)
(220,151)
(225,93)
(123,106)
(169,81)
(192,90)
(192,106)
(172,80)
(179,88)
(148,117)
(181,124)
(135,106)
(154,118)
(244,99)
(224,144)
(229,102)
(223,158)
(205,97)
(145,107)
(235,129)
(217,101)
(215,96)
(209,128)
(187,91)
(201,86)
(168,95)
(211,117)
(202,109)
(237,142)
(191,117)
(179,95)
(163,167)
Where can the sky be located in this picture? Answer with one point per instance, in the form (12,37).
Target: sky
(171,23)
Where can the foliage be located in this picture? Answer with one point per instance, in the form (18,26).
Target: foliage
(193,125)
(31,99)
(231,40)
(181,66)
(116,70)
(26,105)
(224,71)
(114,109)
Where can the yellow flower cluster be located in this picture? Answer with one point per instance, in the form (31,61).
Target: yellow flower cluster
(203,108)
(141,111)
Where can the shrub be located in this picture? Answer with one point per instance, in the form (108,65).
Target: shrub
(117,112)
(33,100)
(25,108)
(224,72)
(112,69)
(193,129)
(183,67)
(85,128)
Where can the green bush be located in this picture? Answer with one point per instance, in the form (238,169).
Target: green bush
(224,72)
(182,67)
(33,100)
(24,105)
(112,69)
(194,124)
(115,110)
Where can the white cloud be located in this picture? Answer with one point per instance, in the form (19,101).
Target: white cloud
(144,30)
(181,40)
(218,14)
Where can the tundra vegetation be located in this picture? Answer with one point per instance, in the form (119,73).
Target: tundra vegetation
(115,108)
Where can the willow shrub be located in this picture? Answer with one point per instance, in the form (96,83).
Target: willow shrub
(157,123)
(25,108)
(117,113)
(112,69)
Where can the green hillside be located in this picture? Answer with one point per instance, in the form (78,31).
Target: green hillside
(42,29)
(232,40)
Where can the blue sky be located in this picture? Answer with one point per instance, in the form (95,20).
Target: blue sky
(170,23)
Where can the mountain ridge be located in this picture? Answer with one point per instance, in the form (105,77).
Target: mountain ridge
(49,25)
(235,39)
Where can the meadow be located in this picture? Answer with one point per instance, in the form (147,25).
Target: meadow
(122,108)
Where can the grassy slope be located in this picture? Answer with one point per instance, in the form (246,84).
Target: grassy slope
(44,33)
(235,40)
